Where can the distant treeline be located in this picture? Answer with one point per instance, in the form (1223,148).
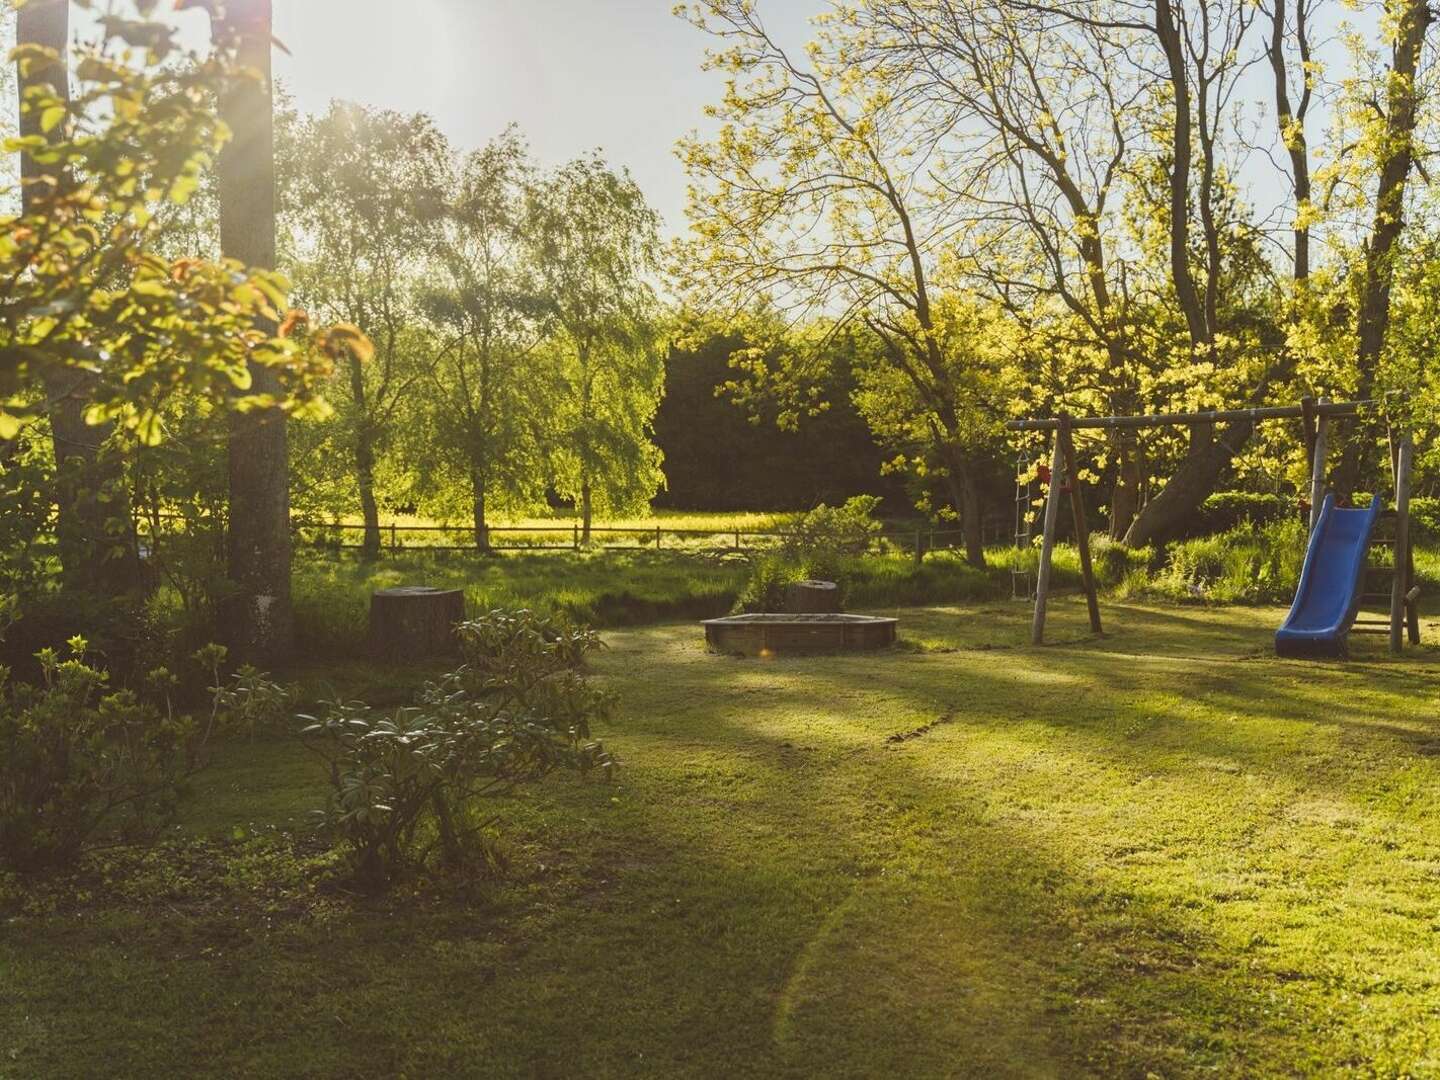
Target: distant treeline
(719,456)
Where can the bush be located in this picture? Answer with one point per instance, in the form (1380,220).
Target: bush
(765,591)
(1425,518)
(824,544)
(410,783)
(833,531)
(1226,510)
(77,757)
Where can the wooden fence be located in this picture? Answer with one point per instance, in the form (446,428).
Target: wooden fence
(397,538)
(541,538)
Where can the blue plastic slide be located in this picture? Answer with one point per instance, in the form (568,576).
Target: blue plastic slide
(1329,594)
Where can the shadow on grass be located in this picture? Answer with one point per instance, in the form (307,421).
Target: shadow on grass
(1110,859)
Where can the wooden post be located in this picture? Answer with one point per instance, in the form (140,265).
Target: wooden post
(1047,542)
(737,539)
(1317,468)
(1412,598)
(1400,580)
(576,527)
(657,537)
(1082,529)
(919,551)
(394,537)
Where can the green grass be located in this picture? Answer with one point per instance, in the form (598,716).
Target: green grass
(332,594)
(605,589)
(1158,852)
(559,529)
(717,521)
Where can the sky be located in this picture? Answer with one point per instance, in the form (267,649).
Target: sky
(621,75)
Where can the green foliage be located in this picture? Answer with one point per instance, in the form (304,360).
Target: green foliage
(1114,563)
(819,545)
(80,757)
(76,755)
(765,588)
(485,429)
(365,193)
(827,456)
(845,530)
(1224,510)
(88,293)
(251,702)
(410,783)
(1248,564)
(1425,518)
(597,249)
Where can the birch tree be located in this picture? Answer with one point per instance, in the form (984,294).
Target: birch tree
(366,195)
(596,254)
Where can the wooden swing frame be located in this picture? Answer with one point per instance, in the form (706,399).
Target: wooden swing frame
(1315,418)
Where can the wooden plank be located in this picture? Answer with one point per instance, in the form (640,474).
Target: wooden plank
(1401,583)
(1047,546)
(1082,528)
(1307,425)
(1317,464)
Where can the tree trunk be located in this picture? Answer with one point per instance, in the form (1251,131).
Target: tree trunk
(1125,500)
(586,509)
(1173,46)
(482,528)
(414,622)
(365,465)
(94,527)
(812,598)
(972,518)
(369,508)
(1165,516)
(259,619)
(1292,125)
(1389,222)
(965,497)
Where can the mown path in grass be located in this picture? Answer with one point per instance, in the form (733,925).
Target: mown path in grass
(1159,851)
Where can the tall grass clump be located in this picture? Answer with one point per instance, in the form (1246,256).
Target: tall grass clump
(1249,564)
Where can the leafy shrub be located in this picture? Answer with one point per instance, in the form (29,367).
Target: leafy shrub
(410,783)
(77,756)
(765,591)
(823,544)
(1226,510)
(1425,518)
(249,700)
(830,531)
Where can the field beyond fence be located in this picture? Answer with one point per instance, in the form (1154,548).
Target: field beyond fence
(678,532)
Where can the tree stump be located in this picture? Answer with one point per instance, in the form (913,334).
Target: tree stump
(413,622)
(812,598)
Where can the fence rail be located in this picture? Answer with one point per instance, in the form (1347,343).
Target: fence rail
(331,536)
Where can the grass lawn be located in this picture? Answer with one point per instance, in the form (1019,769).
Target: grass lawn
(605,589)
(713,529)
(718,520)
(1159,852)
